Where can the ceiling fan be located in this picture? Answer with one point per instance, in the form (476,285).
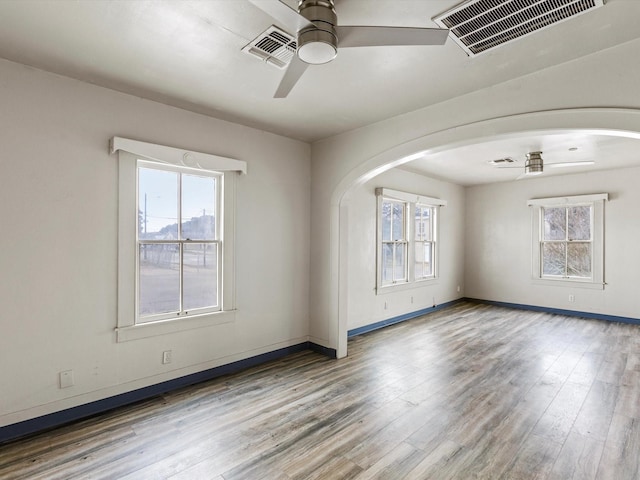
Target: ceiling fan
(319,35)
(534,164)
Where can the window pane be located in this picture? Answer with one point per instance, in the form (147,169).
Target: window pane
(418,260)
(428,220)
(159,279)
(553,258)
(428,256)
(200,275)
(579,219)
(579,259)
(555,224)
(387,263)
(423,263)
(423,223)
(198,207)
(385,218)
(398,221)
(157,204)
(399,271)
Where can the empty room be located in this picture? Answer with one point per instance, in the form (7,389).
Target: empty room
(317,239)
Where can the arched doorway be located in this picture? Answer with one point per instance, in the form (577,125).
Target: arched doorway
(615,122)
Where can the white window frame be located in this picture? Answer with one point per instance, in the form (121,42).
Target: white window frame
(596,202)
(182,242)
(433,220)
(410,201)
(130,152)
(401,243)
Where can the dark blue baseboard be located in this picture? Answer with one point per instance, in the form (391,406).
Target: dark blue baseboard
(518,306)
(399,318)
(56,419)
(558,311)
(326,351)
(27,427)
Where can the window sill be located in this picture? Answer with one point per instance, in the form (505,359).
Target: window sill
(406,286)
(561,282)
(165,327)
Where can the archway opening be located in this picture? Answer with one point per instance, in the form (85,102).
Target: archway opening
(587,122)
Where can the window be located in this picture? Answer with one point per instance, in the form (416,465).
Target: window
(176,260)
(179,242)
(394,241)
(565,246)
(407,250)
(424,242)
(568,235)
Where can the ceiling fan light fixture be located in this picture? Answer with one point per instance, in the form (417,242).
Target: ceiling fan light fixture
(317,46)
(316,25)
(534,164)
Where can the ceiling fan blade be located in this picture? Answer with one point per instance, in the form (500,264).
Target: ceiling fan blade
(569,164)
(366,36)
(291,76)
(289,18)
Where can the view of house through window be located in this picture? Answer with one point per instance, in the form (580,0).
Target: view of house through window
(179,246)
(407,231)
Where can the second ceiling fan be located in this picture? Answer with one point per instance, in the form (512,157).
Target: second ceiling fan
(534,164)
(319,36)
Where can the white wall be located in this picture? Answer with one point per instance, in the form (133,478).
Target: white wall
(498,248)
(58,243)
(364,306)
(585,85)
(59,208)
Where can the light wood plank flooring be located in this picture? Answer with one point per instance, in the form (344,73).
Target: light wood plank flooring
(470,392)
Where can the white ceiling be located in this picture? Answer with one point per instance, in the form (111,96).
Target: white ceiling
(469,165)
(187,53)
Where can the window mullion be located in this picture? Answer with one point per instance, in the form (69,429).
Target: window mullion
(181,245)
(409,239)
(566,242)
(406,239)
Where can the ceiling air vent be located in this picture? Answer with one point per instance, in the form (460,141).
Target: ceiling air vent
(502,161)
(480,25)
(274,46)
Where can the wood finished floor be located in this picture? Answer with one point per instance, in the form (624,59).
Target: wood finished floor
(470,392)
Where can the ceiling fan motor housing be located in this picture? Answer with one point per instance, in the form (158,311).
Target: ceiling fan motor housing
(534,163)
(319,43)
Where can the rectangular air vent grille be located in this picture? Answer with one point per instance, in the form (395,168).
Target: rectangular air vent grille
(480,25)
(273,46)
(502,161)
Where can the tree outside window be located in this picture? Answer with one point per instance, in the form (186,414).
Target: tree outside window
(566,246)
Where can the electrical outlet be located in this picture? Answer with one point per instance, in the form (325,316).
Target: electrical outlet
(66,379)
(167,357)
(572,298)
(458,288)
(411,299)
(385,305)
